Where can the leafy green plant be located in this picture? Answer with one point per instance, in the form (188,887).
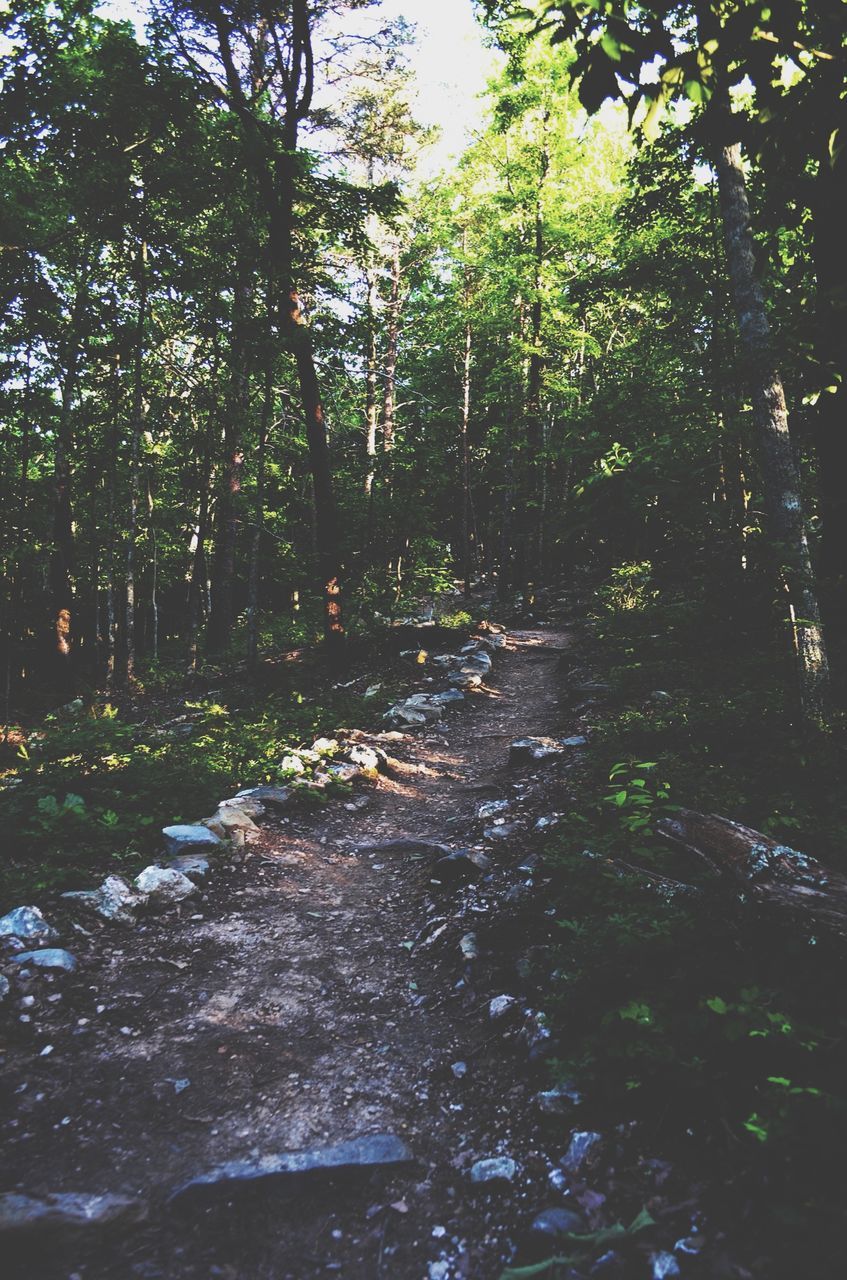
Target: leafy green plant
(636,796)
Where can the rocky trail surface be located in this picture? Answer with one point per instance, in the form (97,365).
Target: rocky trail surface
(329,1060)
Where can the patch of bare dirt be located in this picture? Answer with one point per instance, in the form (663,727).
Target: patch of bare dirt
(312,994)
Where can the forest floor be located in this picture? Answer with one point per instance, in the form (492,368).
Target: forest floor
(313,994)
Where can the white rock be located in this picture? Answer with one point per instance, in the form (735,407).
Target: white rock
(28,924)
(501,1006)
(164,886)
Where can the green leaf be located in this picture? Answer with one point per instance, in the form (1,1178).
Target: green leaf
(717,1005)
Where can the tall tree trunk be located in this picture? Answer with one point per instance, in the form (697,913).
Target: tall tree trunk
(258,524)
(62,559)
(392,334)
(371,410)
(467,545)
(136,430)
(276,173)
(227,513)
(829,222)
(770,416)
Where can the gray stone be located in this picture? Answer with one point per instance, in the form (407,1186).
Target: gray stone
(556,1224)
(491,808)
(559,1100)
(534,750)
(325,746)
(577,741)
(400,713)
(71,1211)
(193,865)
(502,1007)
(48,958)
(547,822)
(164,886)
(459,1069)
(28,924)
(448,698)
(344,772)
(406,844)
(244,804)
(469,946)
(276,797)
(378,1151)
(4,987)
(583,1145)
(496,1169)
(461,865)
(664,1266)
(182,838)
(502,831)
(114,900)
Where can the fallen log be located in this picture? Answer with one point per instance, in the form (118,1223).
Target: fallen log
(772,875)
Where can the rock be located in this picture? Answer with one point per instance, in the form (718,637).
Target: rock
(164,886)
(28,924)
(48,958)
(502,1007)
(114,900)
(366,757)
(468,679)
(577,741)
(230,819)
(276,797)
(325,746)
(534,750)
(245,804)
(559,1100)
(491,808)
(582,1146)
(427,705)
(551,1227)
(193,865)
(548,821)
(372,690)
(406,844)
(402,714)
(661,695)
(378,1151)
(71,1211)
(496,1169)
(664,1266)
(344,772)
(535,1034)
(449,698)
(182,838)
(461,865)
(459,1069)
(502,831)
(292,764)
(4,987)
(469,946)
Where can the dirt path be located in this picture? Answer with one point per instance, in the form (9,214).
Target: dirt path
(293,1008)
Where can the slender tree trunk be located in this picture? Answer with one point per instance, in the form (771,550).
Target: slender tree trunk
(227,513)
(770,416)
(258,524)
(136,430)
(829,222)
(392,334)
(467,544)
(371,410)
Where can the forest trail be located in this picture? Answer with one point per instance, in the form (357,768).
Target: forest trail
(310,998)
